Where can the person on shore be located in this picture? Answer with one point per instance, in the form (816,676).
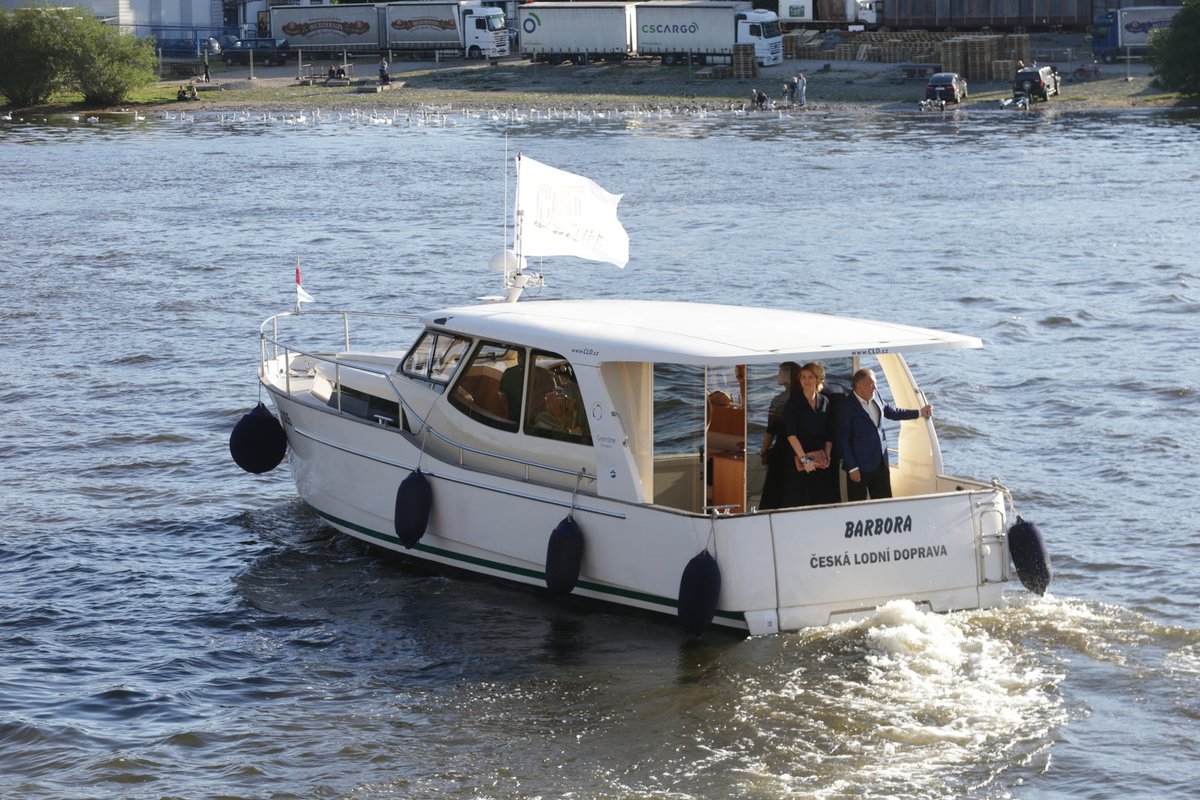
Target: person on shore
(862,441)
(758,100)
(181,94)
(810,438)
(775,452)
(206,77)
(384,78)
(801,89)
(795,88)
(192,92)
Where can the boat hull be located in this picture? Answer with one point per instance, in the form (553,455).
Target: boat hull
(780,571)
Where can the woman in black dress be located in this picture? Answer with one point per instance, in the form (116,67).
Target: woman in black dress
(776,453)
(810,434)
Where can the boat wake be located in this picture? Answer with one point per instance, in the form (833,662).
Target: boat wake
(904,703)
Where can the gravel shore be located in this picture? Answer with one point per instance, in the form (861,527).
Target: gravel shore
(515,83)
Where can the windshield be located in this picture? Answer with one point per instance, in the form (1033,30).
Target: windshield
(771,29)
(497,23)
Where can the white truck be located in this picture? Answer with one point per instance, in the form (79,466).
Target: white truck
(826,14)
(704,32)
(1125,33)
(464,26)
(576,32)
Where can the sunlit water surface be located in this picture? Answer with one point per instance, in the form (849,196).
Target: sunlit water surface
(172,627)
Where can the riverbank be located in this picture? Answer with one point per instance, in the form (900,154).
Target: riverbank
(516,83)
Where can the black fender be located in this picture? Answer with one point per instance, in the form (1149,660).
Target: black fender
(258,442)
(699,591)
(1029,556)
(564,555)
(414,502)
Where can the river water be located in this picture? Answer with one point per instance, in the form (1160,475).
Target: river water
(173,627)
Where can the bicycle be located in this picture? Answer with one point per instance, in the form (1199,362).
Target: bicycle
(1087,72)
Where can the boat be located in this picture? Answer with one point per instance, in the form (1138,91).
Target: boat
(598,448)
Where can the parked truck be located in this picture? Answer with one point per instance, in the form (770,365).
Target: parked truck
(463,26)
(826,14)
(576,32)
(1125,33)
(704,32)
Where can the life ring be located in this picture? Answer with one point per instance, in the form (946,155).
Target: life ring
(1029,556)
(699,591)
(258,442)
(414,501)
(564,554)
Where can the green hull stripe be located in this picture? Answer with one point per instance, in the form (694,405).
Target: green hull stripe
(528,573)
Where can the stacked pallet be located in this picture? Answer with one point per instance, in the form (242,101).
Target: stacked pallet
(950,56)
(1003,69)
(1016,47)
(979,52)
(800,41)
(843,52)
(743,63)
(809,52)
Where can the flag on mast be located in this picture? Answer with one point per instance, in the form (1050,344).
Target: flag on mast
(301,295)
(563,214)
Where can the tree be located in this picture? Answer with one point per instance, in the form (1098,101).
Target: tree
(44,51)
(106,64)
(1176,51)
(32,54)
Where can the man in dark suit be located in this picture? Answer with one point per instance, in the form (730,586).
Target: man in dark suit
(861,439)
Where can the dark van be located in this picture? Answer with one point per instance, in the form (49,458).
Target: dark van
(266,52)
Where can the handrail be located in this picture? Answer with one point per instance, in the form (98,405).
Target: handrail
(273,340)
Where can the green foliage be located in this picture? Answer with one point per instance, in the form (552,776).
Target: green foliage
(33,47)
(107,65)
(1176,52)
(44,51)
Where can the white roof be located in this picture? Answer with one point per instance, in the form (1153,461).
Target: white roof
(596,331)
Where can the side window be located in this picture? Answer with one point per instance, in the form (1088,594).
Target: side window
(756,30)
(447,354)
(434,357)
(554,409)
(490,386)
(416,363)
(481,24)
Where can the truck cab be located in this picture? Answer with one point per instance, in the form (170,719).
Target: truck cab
(485,32)
(761,28)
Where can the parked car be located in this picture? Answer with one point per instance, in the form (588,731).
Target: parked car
(948,86)
(266,51)
(1039,82)
(189,48)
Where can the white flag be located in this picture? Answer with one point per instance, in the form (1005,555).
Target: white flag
(562,214)
(301,295)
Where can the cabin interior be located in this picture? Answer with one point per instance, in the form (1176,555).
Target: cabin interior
(698,437)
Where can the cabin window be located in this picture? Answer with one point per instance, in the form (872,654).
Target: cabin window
(555,407)
(756,31)
(490,386)
(434,357)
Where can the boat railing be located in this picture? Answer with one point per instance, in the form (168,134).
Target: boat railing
(270,341)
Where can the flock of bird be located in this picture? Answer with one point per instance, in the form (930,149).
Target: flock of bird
(423,116)
(446,117)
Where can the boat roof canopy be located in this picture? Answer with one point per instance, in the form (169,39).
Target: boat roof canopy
(599,331)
